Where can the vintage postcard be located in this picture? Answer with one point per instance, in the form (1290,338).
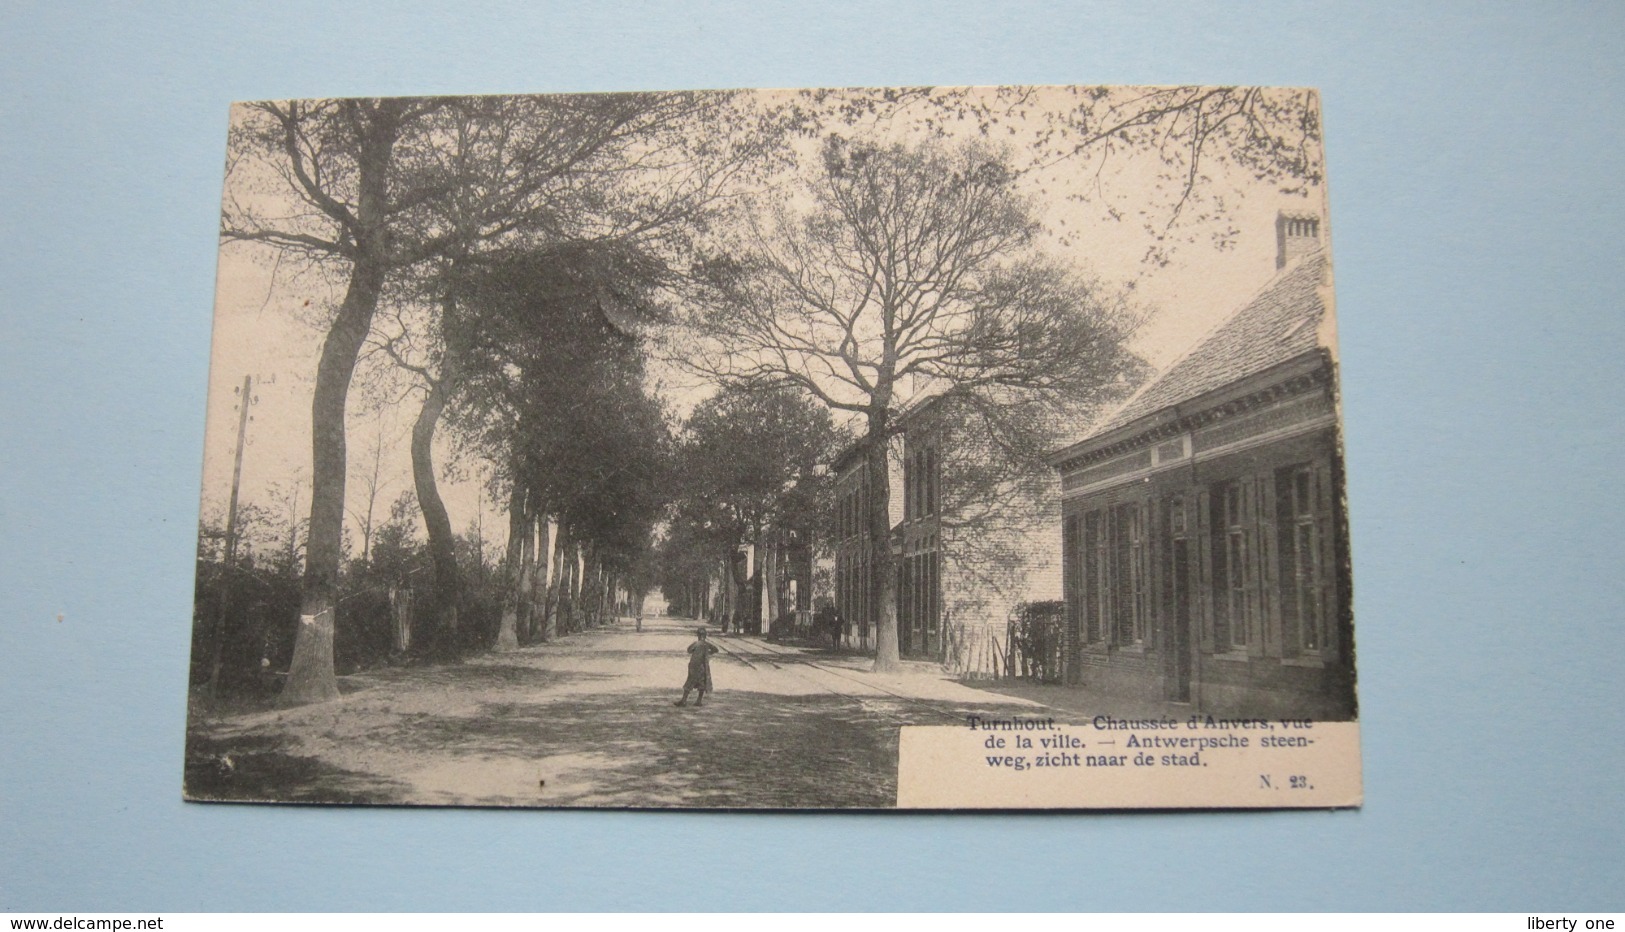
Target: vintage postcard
(928,448)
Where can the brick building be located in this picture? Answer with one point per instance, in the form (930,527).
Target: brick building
(972,534)
(1203,528)
(854,563)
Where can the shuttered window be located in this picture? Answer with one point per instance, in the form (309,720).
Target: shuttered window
(1303,501)
(1111,568)
(1234,604)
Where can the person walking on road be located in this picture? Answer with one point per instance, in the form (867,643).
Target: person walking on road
(827,620)
(699,669)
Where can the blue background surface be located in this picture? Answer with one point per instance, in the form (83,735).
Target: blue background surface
(1474,154)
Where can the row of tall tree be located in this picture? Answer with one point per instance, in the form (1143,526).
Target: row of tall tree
(811,252)
(558,396)
(752,495)
(421,204)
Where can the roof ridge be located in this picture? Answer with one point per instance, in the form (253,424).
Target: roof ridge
(1207,336)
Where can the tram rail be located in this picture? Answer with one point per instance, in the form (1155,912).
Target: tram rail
(780,657)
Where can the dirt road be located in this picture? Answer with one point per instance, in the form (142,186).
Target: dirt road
(589,720)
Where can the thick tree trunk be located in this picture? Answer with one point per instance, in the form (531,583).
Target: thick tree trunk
(883,579)
(571,599)
(587,585)
(804,570)
(311,676)
(545,626)
(770,578)
(724,603)
(530,602)
(515,574)
(531,599)
(571,620)
(442,545)
(739,600)
(557,593)
(533,594)
(577,585)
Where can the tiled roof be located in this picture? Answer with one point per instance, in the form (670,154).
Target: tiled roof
(1280,323)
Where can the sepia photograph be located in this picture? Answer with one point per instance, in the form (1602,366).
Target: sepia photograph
(776,449)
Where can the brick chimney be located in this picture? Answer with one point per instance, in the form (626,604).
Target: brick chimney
(1295,234)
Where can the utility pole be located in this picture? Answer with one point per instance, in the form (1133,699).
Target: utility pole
(244,400)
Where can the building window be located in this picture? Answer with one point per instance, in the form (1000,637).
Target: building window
(1234,607)
(1302,518)
(911,478)
(905,605)
(842,587)
(1072,573)
(852,595)
(852,515)
(1112,569)
(920,484)
(930,480)
(871,617)
(1096,604)
(933,615)
(919,600)
(1129,572)
(863,510)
